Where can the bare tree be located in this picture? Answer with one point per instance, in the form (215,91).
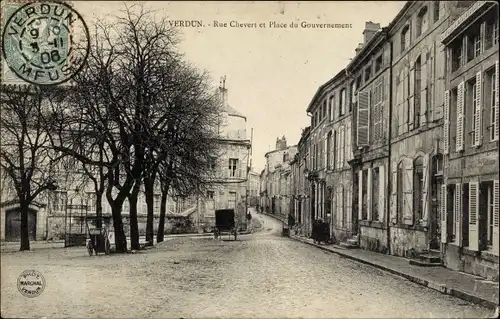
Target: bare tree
(25,154)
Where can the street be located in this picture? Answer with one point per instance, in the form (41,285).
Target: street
(260,275)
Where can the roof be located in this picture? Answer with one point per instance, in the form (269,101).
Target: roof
(321,89)
(232,111)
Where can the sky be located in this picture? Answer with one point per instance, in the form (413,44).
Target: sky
(272,73)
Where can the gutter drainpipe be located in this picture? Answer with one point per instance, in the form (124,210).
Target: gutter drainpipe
(389,170)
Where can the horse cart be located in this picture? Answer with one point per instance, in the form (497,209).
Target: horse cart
(225,222)
(99,237)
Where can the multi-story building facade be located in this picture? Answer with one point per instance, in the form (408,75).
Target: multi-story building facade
(301,195)
(253,188)
(470,193)
(331,149)
(277,163)
(369,95)
(232,169)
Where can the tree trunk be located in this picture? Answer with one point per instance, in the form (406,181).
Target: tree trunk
(149,188)
(163,212)
(134,227)
(25,239)
(120,238)
(98,209)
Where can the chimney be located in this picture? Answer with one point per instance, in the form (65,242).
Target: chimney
(370,29)
(283,141)
(223,90)
(278,144)
(360,46)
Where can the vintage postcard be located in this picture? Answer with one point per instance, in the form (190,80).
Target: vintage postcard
(246,159)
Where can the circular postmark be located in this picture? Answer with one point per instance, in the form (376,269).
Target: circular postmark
(31,283)
(45,43)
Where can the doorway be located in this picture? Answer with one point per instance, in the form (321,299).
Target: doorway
(435,212)
(13,224)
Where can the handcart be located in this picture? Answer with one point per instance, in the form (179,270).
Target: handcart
(98,237)
(224,222)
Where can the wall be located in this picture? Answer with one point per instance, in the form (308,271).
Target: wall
(373,237)
(480,264)
(407,242)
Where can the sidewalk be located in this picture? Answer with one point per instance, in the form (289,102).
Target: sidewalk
(464,286)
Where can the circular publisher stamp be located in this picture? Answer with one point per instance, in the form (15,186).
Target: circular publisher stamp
(31,283)
(45,43)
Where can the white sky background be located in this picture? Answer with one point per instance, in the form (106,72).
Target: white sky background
(272,74)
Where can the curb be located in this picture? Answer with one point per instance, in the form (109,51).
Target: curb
(442,288)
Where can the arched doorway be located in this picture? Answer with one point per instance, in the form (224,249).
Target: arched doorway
(13,224)
(435,217)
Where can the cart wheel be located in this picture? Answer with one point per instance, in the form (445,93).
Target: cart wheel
(90,249)
(107,247)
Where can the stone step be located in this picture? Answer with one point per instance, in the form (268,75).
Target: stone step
(348,245)
(430,258)
(422,263)
(352,241)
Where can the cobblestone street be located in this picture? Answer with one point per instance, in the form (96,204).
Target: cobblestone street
(260,275)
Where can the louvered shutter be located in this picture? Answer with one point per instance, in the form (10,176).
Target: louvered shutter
(425,187)
(341,204)
(399,109)
(460,117)
(457,207)
(394,196)
(496,216)
(479,114)
(444,213)
(382,193)
(363,118)
(496,115)
(360,195)
(408,193)
(423,94)
(325,156)
(446,127)
(482,31)
(473,216)
(410,82)
(348,143)
(369,193)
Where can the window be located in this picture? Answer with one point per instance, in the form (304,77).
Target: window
(492,87)
(470,106)
(329,143)
(422,21)
(368,73)
(457,58)
(417,88)
(364,194)
(156,203)
(324,109)
(399,193)
(233,167)
(332,106)
(495,32)
(418,179)
(126,206)
(60,199)
(378,64)
(490,210)
(342,102)
(353,95)
(210,194)
(436,11)
(377,111)
(375,193)
(477,45)
(405,38)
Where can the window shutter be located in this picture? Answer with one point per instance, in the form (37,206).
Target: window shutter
(342,147)
(341,204)
(482,31)
(363,118)
(423,94)
(348,143)
(334,146)
(479,114)
(360,195)
(457,207)
(446,127)
(497,119)
(425,187)
(394,197)
(408,193)
(337,151)
(369,193)
(410,102)
(444,213)
(460,117)
(325,152)
(382,193)
(473,216)
(496,216)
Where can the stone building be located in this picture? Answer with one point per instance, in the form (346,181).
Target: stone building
(470,193)
(232,168)
(253,188)
(301,195)
(370,91)
(277,163)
